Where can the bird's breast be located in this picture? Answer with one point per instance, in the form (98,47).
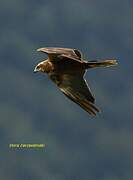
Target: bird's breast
(56,78)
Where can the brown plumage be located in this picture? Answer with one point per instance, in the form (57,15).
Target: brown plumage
(66,68)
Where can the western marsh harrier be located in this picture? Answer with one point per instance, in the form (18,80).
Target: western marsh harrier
(66,68)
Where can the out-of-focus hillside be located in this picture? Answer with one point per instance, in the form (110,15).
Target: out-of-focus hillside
(33,110)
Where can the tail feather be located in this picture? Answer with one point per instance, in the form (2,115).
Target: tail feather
(106,63)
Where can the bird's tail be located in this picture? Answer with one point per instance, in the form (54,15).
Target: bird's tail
(105,63)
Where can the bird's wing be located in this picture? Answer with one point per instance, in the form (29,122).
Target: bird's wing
(67,52)
(76,89)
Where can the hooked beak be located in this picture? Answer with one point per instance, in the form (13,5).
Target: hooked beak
(35,70)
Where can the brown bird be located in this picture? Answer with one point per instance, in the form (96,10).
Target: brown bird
(66,68)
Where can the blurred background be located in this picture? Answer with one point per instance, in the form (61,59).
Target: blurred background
(33,110)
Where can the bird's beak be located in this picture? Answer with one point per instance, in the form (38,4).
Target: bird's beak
(35,70)
(40,49)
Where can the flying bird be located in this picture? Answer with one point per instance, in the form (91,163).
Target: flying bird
(66,68)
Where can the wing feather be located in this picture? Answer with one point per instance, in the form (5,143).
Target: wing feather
(66,52)
(76,89)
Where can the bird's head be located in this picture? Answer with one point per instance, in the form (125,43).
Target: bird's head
(40,67)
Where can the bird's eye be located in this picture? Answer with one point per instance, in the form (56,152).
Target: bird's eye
(37,67)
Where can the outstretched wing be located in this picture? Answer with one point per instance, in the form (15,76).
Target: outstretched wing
(65,52)
(76,89)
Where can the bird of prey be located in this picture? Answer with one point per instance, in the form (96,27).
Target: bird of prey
(66,68)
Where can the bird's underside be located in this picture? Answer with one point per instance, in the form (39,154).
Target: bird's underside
(66,68)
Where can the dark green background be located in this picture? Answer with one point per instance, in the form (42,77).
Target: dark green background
(33,110)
